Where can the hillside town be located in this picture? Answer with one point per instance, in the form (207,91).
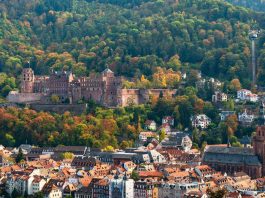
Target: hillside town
(164,161)
(157,169)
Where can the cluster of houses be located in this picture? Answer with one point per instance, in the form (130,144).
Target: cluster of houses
(168,169)
(246,116)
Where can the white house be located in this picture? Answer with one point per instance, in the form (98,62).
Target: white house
(52,192)
(246,118)
(37,184)
(201,121)
(219,97)
(252,97)
(242,93)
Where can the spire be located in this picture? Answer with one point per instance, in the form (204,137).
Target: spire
(116,175)
(125,177)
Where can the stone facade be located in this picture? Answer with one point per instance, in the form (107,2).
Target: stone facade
(259,146)
(229,159)
(105,89)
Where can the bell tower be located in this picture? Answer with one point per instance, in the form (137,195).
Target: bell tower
(27,81)
(259,145)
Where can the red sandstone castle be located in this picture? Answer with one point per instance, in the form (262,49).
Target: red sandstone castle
(104,88)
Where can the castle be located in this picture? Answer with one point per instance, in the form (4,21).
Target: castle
(105,89)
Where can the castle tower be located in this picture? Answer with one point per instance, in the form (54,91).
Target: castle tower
(27,81)
(111,85)
(259,145)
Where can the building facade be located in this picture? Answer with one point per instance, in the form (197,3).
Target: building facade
(229,159)
(104,88)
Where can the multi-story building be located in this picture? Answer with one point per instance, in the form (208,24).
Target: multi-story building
(104,88)
(247,95)
(259,146)
(219,97)
(178,140)
(121,187)
(229,159)
(145,189)
(200,121)
(246,118)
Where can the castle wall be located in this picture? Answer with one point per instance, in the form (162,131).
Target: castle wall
(165,92)
(16,97)
(129,96)
(104,89)
(60,108)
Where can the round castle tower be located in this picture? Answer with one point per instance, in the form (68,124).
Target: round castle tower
(27,81)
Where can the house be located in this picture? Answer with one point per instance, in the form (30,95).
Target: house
(145,188)
(252,97)
(200,121)
(84,162)
(219,97)
(246,118)
(84,192)
(242,94)
(177,140)
(121,187)
(150,125)
(76,150)
(168,119)
(224,114)
(143,136)
(52,191)
(195,193)
(37,184)
(69,190)
(53,188)
(101,188)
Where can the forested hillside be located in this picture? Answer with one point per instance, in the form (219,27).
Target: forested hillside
(258,5)
(132,37)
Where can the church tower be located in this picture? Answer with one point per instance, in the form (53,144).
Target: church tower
(259,145)
(27,81)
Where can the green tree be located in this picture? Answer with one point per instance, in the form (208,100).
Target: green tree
(162,135)
(55,99)
(135,175)
(67,155)
(20,156)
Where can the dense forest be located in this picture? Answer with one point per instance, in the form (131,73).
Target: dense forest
(132,37)
(258,5)
(148,40)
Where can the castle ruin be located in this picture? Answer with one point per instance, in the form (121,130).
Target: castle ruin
(104,88)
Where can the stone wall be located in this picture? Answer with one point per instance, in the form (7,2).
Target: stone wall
(60,108)
(16,97)
(129,96)
(141,96)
